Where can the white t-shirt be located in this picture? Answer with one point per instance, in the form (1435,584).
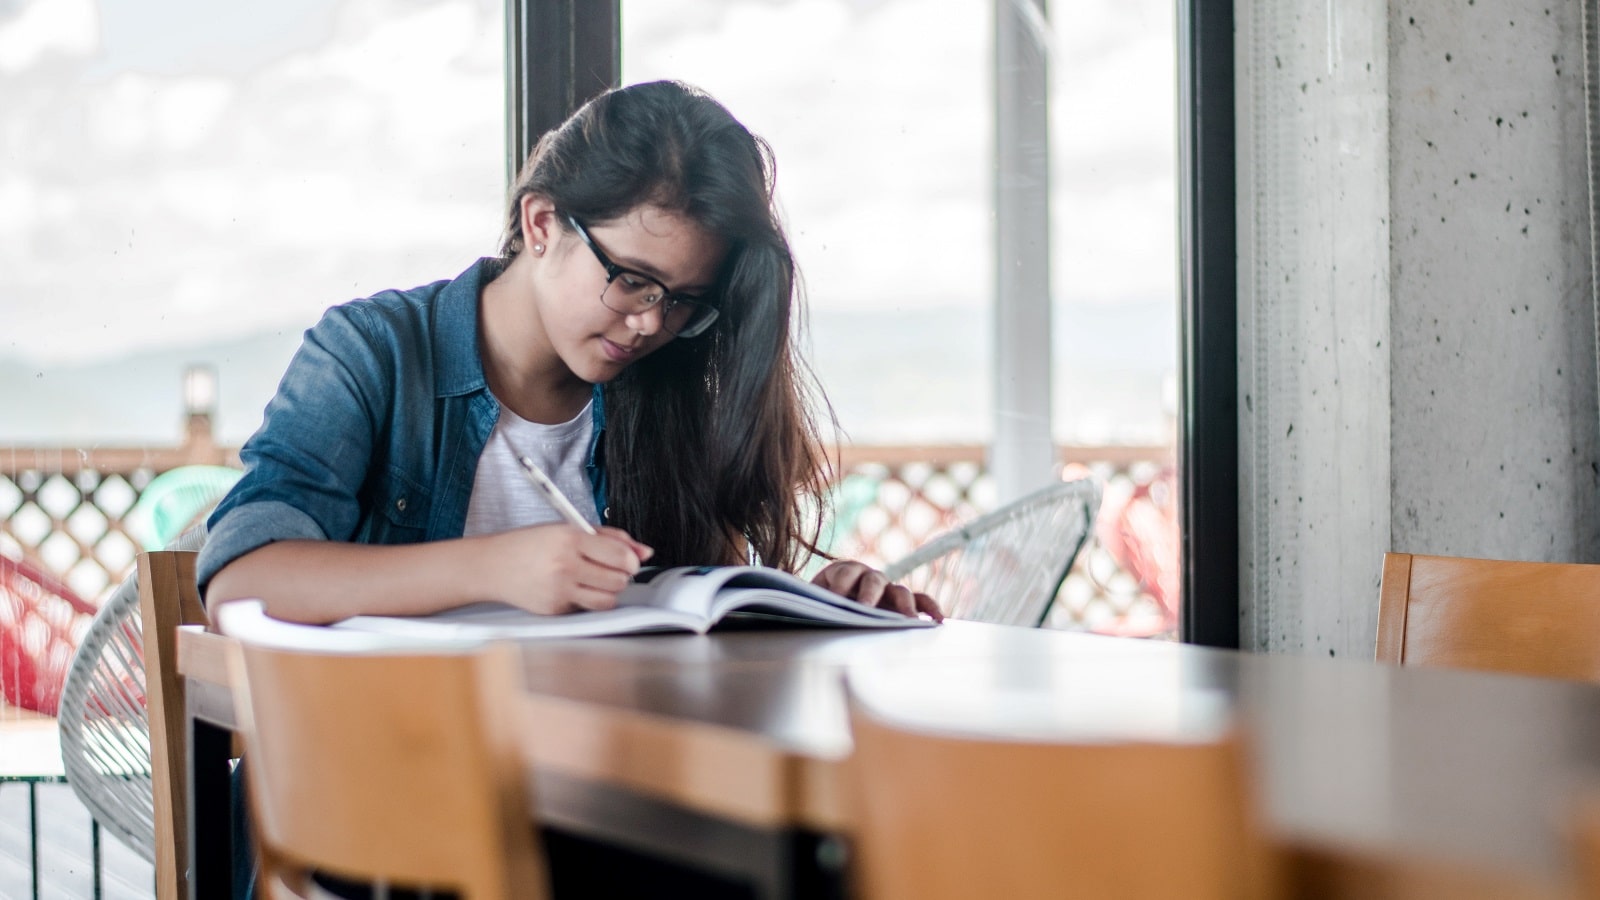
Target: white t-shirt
(503,498)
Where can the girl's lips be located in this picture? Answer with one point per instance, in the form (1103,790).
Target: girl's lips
(617,352)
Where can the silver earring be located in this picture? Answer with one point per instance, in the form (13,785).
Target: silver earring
(538,248)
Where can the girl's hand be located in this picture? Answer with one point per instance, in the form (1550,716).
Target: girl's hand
(550,569)
(865,584)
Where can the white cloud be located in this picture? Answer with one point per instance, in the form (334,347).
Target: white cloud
(19,199)
(881,122)
(48,27)
(372,159)
(187,112)
(221,205)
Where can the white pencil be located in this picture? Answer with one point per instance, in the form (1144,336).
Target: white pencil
(553,494)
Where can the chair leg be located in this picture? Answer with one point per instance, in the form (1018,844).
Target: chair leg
(33,834)
(94,851)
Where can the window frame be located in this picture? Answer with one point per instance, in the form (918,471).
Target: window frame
(1208,405)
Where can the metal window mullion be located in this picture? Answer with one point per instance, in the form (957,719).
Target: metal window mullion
(559,54)
(1022,454)
(1208,420)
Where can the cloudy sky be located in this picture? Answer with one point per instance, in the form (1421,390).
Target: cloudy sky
(173,171)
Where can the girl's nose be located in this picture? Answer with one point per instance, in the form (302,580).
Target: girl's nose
(646,323)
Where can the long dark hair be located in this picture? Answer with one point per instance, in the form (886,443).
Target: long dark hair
(710,442)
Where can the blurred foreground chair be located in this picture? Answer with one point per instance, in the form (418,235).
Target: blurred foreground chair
(133,777)
(1006,566)
(1525,618)
(1583,841)
(938,816)
(394,767)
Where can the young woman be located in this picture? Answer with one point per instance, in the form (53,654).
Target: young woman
(633,338)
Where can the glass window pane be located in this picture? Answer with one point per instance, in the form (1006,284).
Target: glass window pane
(1114,218)
(191,183)
(881,114)
(882,146)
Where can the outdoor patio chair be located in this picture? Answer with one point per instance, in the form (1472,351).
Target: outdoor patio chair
(40,616)
(387,767)
(1081,815)
(40,620)
(176,501)
(1523,618)
(130,776)
(1006,566)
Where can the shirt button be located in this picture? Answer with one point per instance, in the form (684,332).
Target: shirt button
(400,504)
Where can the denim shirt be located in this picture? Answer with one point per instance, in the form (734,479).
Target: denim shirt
(376,429)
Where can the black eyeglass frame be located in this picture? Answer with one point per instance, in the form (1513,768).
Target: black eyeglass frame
(668,300)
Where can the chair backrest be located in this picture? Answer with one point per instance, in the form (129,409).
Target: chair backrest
(1006,566)
(40,618)
(941,816)
(123,742)
(1527,618)
(390,768)
(168,597)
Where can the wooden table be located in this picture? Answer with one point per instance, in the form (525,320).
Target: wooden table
(724,750)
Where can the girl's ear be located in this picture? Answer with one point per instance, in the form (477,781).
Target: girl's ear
(540,223)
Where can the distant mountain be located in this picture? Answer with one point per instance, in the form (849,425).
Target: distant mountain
(893,376)
(138,398)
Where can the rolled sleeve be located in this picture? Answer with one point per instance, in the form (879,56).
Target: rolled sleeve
(251,527)
(306,465)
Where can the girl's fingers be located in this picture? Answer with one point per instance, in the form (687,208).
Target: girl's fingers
(840,577)
(607,549)
(642,551)
(600,578)
(584,597)
(899,598)
(871,587)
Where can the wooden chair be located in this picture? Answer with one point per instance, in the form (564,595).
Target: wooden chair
(396,768)
(123,742)
(1526,618)
(942,816)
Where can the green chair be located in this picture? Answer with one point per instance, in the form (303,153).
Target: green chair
(176,500)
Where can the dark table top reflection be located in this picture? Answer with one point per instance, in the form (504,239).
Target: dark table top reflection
(1350,755)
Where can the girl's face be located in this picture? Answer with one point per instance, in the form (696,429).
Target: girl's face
(594,341)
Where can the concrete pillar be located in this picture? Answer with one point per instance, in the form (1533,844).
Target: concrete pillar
(1417,351)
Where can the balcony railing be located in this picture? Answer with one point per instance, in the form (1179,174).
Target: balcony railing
(67,510)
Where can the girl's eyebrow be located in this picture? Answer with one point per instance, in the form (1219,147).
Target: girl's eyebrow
(645,268)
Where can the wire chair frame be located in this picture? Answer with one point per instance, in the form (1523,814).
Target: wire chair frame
(105,729)
(1006,567)
(105,734)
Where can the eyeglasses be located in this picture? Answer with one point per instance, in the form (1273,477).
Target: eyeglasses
(630,293)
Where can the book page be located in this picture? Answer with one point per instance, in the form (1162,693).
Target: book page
(498,621)
(687,589)
(733,600)
(778,592)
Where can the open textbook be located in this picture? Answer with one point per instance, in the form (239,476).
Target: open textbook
(688,598)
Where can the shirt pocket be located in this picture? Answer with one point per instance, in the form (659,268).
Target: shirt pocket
(403,510)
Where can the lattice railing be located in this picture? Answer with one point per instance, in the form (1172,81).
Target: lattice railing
(66,511)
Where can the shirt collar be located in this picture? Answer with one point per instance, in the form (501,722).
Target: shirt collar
(455,335)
